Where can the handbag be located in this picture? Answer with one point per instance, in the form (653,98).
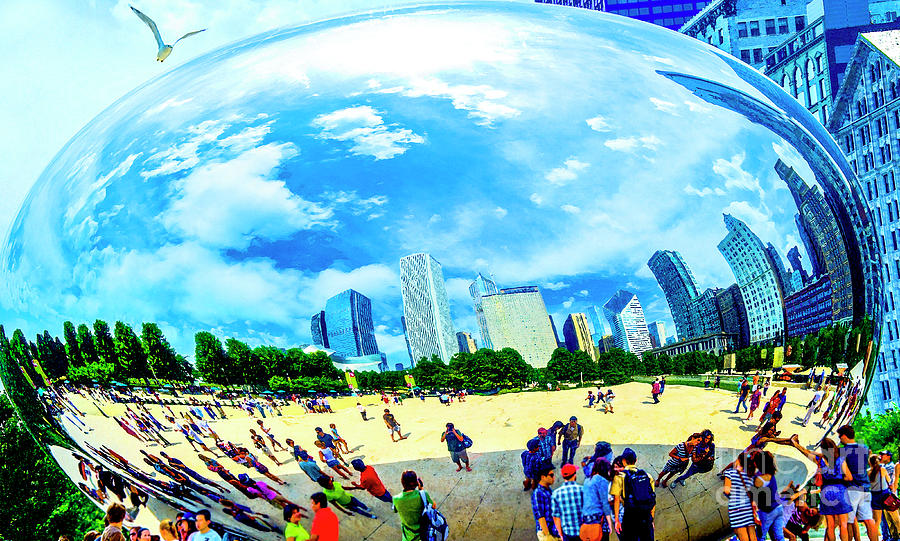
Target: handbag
(753,505)
(891,502)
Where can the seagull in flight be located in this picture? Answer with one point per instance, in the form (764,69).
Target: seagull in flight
(164,50)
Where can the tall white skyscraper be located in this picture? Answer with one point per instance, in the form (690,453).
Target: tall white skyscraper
(480,287)
(657,333)
(426,308)
(517,318)
(756,278)
(626,317)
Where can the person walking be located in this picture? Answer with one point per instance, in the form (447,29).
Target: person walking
(362,411)
(857,457)
(633,491)
(325,525)
(766,497)
(835,474)
(369,481)
(662,385)
(654,390)
(718,383)
(566,504)
(596,510)
(811,407)
(741,509)
(742,396)
(570,437)
(608,400)
(392,425)
(541,506)
(754,403)
(410,505)
(532,464)
(546,445)
(457,447)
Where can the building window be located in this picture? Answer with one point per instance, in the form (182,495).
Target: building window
(757,56)
(754,28)
(818,63)
(745,55)
(742,30)
(800,22)
(770,27)
(781,54)
(783,25)
(721,37)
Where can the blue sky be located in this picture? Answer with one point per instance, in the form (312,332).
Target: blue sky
(239,192)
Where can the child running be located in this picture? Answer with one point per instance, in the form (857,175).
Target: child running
(338,440)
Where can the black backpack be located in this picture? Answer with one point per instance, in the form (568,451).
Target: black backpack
(639,494)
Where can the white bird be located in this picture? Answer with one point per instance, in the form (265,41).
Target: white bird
(164,50)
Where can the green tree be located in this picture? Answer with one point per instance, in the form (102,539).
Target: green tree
(161,356)
(86,345)
(103,340)
(213,364)
(246,364)
(130,353)
(37,500)
(879,431)
(71,338)
(318,364)
(428,373)
(23,354)
(274,361)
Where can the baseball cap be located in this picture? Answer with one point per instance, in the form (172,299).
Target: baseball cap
(542,431)
(886,452)
(568,470)
(573,418)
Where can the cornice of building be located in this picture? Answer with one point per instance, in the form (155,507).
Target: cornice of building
(818,39)
(709,14)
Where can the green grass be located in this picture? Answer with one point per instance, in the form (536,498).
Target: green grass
(692,381)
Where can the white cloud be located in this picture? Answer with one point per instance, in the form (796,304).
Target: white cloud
(171,102)
(664,106)
(481,101)
(569,171)
(458,289)
(570,209)
(598,123)
(690,189)
(536,199)
(734,174)
(758,220)
(500,212)
(631,144)
(584,293)
(555,286)
(371,206)
(228,204)
(568,302)
(364,127)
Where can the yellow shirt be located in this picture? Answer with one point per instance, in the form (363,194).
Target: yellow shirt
(617,487)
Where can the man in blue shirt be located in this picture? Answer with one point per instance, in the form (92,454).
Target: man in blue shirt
(542,508)
(566,504)
(327,439)
(857,457)
(545,444)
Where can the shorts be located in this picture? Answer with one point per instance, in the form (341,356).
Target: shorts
(333,463)
(861,505)
(456,456)
(395,428)
(878,499)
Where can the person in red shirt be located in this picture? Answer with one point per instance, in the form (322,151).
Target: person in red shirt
(325,523)
(369,480)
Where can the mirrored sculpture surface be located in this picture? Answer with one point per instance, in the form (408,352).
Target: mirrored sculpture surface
(428,183)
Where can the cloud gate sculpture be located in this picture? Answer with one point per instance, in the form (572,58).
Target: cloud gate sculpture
(521,183)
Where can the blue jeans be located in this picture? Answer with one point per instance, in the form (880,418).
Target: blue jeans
(569,447)
(741,402)
(692,469)
(359,507)
(772,522)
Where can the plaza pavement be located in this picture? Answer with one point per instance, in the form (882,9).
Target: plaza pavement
(488,503)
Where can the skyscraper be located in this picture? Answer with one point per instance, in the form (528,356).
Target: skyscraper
(479,287)
(348,321)
(626,318)
(678,284)
(318,329)
(657,331)
(578,335)
(784,277)
(426,308)
(466,342)
(517,318)
(757,279)
(734,315)
(555,333)
(796,264)
(704,313)
(598,323)
(820,225)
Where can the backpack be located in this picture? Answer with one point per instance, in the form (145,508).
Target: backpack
(466,441)
(638,487)
(434,525)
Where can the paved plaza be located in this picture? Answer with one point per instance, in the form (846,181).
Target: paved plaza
(488,503)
